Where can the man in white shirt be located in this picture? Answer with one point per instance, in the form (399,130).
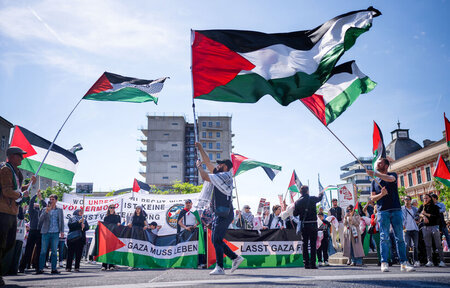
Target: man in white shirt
(411,229)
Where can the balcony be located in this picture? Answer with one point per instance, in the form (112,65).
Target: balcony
(143,162)
(351,173)
(364,161)
(366,182)
(143,151)
(142,172)
(143,141)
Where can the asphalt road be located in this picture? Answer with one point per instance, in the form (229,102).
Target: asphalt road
(333,276)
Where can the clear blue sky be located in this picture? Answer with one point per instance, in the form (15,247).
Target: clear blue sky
(51,52)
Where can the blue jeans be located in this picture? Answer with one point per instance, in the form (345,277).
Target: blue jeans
(61,247)
(386,219)
(219,229)
(51,239)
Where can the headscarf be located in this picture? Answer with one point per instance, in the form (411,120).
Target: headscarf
(248,216)
(76,217)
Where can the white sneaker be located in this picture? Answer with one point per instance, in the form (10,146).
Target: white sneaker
(442,264)
(218,270)
(321,264)
(405,267)
(417,264)
(236,263)
(326,263)
(429,264)
(384,267)
(61,264)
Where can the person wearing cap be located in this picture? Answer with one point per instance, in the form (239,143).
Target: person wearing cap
(245,218)
(11,191)
(154,227)
(220,181)
(186,219)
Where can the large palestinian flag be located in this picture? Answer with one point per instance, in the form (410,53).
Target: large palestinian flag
(447,130)
(265,248)
(242,164)
(441,172)
(114,87)
(60,164)
(135,247)
(243,66)
(345,84)
(378,149)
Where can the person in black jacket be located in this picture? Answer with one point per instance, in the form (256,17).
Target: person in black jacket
(34,235)
(114,219)
(305,208)
(429,214)
(322,252)
(77,225)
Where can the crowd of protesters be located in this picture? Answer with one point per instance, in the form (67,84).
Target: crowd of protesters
(410,235)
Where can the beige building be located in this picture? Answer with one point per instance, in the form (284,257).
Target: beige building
(5,131)
(169,154)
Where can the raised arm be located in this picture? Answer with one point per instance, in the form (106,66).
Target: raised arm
(205,157)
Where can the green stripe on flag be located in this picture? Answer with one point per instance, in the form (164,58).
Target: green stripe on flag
(127,94)
(48,171)
(252,261)
(148,262)
(250,164)
(293,188)
(446,182)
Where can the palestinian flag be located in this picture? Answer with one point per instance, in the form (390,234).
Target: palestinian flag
(140,248)
(265,248)
(447,130)
(60,164)
(345,84)
(324,203)
(294,186)
(441,172)
(114,87)
(242,164)
(379,151)
(243,66)
(139,185)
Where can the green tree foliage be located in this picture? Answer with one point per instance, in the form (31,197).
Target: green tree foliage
(444,193)
(59,189)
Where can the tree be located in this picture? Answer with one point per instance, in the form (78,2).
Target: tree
(444,193)
(185,188)
(58,190)
(402,195)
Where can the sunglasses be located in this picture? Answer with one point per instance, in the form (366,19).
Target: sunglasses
(112,207)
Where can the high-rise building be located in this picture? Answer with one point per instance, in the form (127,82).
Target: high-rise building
(355,173)
(170,153)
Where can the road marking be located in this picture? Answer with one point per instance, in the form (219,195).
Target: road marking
(268,280)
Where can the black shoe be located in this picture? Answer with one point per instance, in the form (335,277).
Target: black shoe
(39,272)
(313,267)
(307,267)
(68,270)
(55,272)
(77,270)
(22,271)
(2,283)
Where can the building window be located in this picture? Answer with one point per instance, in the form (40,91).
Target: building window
(204,124)
(174,145)
(402,181)
(174,123)
(218,124)
(165,155)
(210,145)
(218,134)
(204,145)
(218,156)
(428,173)
(410,182)
(209,134)
(203,134)
(165,177)
(209,124)
(419,177)
(210,156)
(3,143)
(218,145)
(173,166)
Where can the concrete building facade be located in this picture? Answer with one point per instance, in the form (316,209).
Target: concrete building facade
(354,172)
(169,153)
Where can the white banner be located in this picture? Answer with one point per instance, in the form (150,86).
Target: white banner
(163,209)
(346,196)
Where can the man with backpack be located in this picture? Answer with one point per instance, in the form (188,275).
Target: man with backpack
(11,193)
(221,179)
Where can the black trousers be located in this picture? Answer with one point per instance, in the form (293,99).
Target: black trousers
(34,239)
(8,230)
(309,234)
(74,248)
(322,252)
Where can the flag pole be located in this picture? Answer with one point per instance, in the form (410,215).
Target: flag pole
(237,199)
(51,145)
(359,161)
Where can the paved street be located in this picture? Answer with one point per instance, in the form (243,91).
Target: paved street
(333,276)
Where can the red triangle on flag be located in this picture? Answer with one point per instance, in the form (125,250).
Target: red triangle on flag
(211,256)
(107,241)
(214,64)
(101,85)
(237,160)
(316,105)
(19,140)
(441,170)
(136,187)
